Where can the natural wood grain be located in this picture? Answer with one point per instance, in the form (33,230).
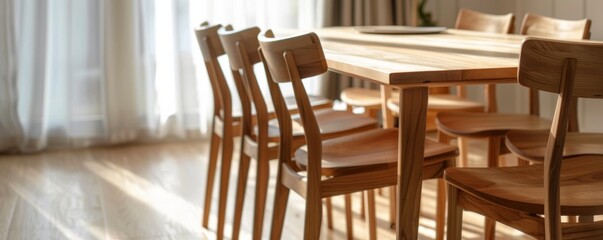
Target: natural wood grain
(69,195)
(456,56)
(518,196)
(361,97)
(357,162)
(422,60)
(536,25)
(466,20)
(493,124)
(477,21)
(482,22)
(259,138)
(176,173)
(536,77)
(531,145)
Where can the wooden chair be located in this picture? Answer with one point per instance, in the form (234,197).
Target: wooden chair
(261,137)
(516,196)
(494,126)
(225,126)
(352,163)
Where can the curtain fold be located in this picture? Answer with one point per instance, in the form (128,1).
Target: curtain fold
(10,128)
(360,13)
(123,68)
(90,72)
(78,73)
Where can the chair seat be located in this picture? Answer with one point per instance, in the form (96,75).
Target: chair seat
(487,124)
(375,149)
(521,188)
(332,124)
(317,102)
(443,103)
(362,97)
(531,145)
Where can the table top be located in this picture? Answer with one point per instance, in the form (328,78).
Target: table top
(449,58)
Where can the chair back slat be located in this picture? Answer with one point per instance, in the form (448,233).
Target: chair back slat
(541,66)
(306,50)
(483,22)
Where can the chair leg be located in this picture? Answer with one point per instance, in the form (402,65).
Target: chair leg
(392,207)
(349,108)
(329,206)
(371,218)
(463,152)
(349,224)
(227,148)
(281,196)
(455,215)
(211,173)
(260,196)
(443,138)
(572,219)
(441,209)
(240,197)
(489,229)
(362,210)
(493,157)
(313,218)
(371,112)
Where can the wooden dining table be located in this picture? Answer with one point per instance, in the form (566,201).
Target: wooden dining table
(413,63)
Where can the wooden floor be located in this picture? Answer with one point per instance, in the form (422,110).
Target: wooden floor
(155,191)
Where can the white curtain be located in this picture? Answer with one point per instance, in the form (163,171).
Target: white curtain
(76,73)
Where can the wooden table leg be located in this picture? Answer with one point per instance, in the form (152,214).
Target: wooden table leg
(413,114)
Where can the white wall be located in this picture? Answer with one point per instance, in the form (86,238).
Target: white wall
(513,98)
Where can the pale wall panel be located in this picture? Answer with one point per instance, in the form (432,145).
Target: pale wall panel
(565,9)
(591,113)
(594,9)
(447,11)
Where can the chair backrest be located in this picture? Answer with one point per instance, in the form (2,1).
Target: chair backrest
(483,22)
(242,50)
(305,49)
(290,60)
(541,26)
(211,49)
(536,25)
(569,69)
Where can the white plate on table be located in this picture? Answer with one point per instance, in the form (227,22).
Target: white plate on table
(399,29)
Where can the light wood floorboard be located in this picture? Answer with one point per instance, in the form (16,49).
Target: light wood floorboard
(155,191)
